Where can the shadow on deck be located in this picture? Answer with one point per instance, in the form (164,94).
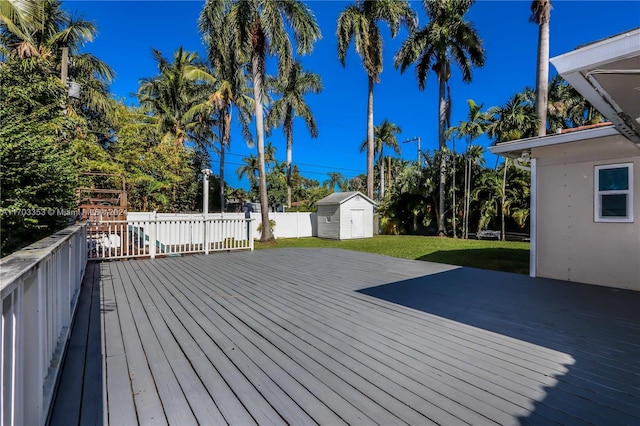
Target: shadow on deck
(598,327)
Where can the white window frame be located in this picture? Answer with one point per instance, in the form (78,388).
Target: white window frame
(328,217)
(597,208)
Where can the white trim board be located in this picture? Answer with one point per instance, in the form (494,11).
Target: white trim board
(515,148)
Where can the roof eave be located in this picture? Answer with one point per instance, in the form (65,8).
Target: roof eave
(515,148)
(574,67)
(322,203)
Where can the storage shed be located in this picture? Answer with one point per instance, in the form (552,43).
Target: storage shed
(345,215)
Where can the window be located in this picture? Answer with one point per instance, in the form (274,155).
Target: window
(614,193)
(328,217)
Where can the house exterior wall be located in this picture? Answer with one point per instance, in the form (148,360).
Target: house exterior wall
(570,244)
(329,229)
(355,203)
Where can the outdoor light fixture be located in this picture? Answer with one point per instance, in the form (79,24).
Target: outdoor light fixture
(525,157)
(206,173)
(74,89)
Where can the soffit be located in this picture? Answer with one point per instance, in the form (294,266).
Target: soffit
(607,74)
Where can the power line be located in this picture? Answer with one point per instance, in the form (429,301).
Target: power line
(307,164)
(302,171)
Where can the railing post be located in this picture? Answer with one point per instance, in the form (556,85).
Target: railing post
(153,232)
(205,240)
(250,233)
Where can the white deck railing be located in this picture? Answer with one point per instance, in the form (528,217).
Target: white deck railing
(120,239)
(39,287)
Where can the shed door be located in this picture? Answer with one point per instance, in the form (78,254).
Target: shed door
(357,223)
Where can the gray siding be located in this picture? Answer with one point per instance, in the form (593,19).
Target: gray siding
(340,206)
(329,229)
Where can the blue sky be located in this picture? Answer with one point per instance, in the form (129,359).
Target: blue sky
(128,30)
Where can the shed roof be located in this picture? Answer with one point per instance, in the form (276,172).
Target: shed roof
(341,197)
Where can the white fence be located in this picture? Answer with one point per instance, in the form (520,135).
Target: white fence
(150,235)
(39,287)
(288,225)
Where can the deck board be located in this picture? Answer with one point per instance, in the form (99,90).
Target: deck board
(329,336)
(79,396)
(368,367)
(117,372)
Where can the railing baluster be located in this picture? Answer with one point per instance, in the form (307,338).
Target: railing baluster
(124,239)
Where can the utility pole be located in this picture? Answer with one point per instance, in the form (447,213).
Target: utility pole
(417,138)
(64,66)
(73,88)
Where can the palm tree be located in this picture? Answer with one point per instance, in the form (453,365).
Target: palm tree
(230,82)
(221,95)
(473,128)
(259,27)
(45,33)
(19,17)
(566,107)
(475,159)
(516,119)
(250,169)
(335,179)
(487,193)
(171,95)
(540,14)
(385,135)
(445,38)
(292,87)
(359,22)
(171,98)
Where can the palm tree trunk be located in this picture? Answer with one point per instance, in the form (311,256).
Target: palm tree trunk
(256,62)
(223,144)
(464,202)
(442,117)
(389,173)
(289,133)
(542,77)
(370,140)
(381,175)
(454,207)
(504,196)
(468,198)
(222,203)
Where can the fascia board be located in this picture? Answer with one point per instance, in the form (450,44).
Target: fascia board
(515,148)
(599,53)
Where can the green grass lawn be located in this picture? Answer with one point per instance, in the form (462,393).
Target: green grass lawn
(495,255)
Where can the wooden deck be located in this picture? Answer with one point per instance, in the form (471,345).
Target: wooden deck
(323,336)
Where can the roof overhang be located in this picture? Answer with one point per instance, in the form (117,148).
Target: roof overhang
(515,149)
(343,197)
(607,74)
